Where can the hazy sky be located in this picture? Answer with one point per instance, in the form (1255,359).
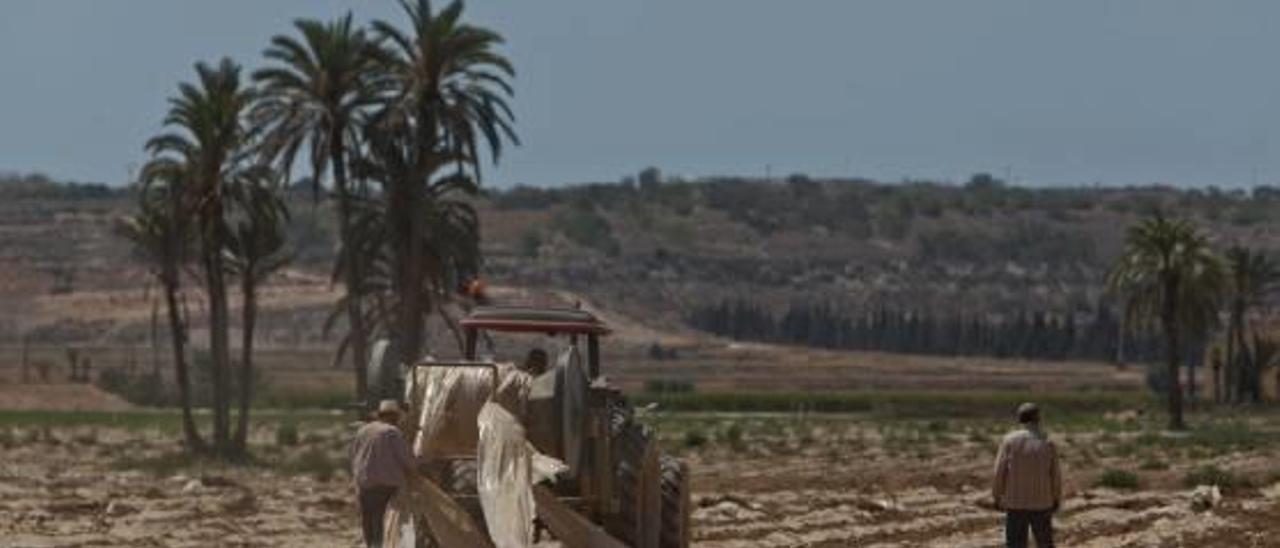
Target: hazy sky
(1080,91)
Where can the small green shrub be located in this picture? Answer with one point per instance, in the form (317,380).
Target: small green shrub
(315,463)
(1152,463)
(733,435)
(668,386)
(530,243)
(1118,479)
(584,226)
(1212,475)
(86,437)
(694,439)
(287,435)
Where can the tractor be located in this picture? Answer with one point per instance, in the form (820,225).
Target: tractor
(616,488)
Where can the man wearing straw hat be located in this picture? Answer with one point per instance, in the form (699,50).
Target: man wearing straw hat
(380,463)
(1028,481)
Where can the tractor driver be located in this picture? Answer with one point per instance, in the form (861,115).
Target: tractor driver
(535,363)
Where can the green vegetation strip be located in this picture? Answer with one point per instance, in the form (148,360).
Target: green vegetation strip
(897,404)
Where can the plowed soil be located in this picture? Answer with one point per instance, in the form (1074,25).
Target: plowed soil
(768,481)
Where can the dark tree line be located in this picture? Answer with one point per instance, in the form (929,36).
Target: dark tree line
(1093,335)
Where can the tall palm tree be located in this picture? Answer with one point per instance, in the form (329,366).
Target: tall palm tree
(1254,276)
(442,101)
(1265,355)
(255,250)
(211,139)
(161,237)
(312,96)
(1171,277)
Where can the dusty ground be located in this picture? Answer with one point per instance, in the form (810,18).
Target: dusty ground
(925,484)
(760,480)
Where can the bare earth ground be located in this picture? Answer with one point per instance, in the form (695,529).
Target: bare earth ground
(908,489)
(760,480)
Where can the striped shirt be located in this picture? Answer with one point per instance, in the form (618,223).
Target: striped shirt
(1027,474)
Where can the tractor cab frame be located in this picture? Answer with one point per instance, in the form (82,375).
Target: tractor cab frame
(579,325)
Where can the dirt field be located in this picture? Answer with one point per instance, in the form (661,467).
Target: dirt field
(844,483)
(760,480)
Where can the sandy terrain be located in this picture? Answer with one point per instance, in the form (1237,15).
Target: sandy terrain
(777,482)
(58,397)
(852,497)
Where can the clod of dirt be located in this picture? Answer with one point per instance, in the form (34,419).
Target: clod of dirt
(878,505)
(1271,493)
(1205,497)
(243,504)
(73,507)
(116,509)
(192,487)
(217,481)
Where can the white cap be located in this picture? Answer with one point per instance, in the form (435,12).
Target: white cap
(388,406)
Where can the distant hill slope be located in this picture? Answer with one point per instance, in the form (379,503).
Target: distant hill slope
(658,250)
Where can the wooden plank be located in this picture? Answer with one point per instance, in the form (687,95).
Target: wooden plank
(569,527)
(650,494)
(449,522)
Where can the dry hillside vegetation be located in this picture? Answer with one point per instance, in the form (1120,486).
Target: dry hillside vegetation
(661,249)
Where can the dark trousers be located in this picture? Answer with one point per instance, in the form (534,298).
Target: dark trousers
(373,507)
(1016,523)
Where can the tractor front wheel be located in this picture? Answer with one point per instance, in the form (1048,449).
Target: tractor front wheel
(676,506)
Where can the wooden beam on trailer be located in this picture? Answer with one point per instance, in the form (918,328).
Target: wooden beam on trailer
(570,528)
(448,521)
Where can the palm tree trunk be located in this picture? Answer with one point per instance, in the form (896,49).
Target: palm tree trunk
(1242,364)
(155,340)
(249,315)
(352,277)
(1191,383)
(178,333)
(216,288)
(1120,340)
(411,272)
(1236,348)
(1173,357)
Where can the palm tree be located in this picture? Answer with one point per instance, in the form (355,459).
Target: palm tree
(442,99)
(161,237)
(1170,277)
(312,97)
(212,142)
(256,250)
(1265,355)
(1254,275)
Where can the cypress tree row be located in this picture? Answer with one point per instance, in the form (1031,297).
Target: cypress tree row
(1037,335)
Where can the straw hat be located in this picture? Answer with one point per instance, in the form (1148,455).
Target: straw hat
(1028,412)
(388,406)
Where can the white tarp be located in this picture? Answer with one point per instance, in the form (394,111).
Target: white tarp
(505,478)
(574,411)
(450,399)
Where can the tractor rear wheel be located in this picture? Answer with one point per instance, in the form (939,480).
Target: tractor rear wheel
(676,505)
(629,443)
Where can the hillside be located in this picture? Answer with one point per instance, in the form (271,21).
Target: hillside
(662,250)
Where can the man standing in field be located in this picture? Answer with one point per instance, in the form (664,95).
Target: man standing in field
(1028,481)
(380,463)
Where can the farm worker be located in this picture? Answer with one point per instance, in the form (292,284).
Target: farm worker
(1028,481)
(535,363)
(380,463)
